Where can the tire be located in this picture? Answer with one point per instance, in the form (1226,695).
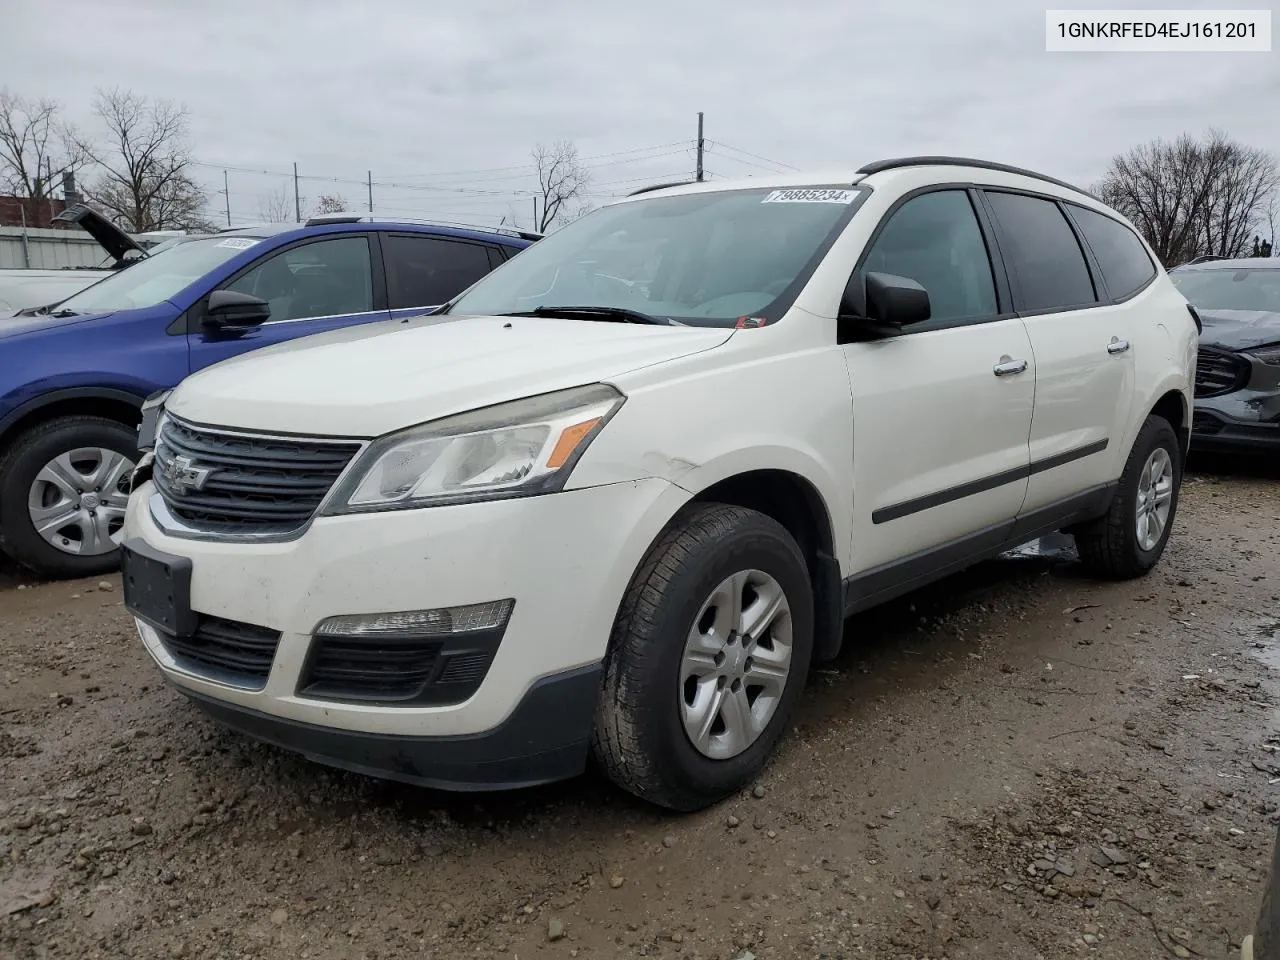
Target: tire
(1111,547)
(640,738)
(77,439)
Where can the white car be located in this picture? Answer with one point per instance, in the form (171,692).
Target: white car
(570,517)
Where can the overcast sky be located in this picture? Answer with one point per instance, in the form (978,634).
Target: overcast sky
(443,101)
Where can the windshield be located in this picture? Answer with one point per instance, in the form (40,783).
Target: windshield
(704,259)
(1251,288)
(158,276)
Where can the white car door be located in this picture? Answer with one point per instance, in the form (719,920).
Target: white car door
(1083,347)
(941,411)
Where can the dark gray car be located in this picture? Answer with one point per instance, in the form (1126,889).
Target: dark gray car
(1237,392)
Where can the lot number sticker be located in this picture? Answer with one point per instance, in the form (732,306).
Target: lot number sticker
(238,243)
(809,195)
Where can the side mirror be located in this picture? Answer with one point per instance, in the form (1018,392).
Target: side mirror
(896,301)
(230,310)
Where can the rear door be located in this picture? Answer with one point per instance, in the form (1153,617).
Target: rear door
(425,272)
(1084,385)
(311,286)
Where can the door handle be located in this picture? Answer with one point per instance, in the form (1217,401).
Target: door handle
(1007,366)
(1117,346)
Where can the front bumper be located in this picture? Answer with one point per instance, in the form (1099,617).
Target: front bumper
(1215,426)
(565,559)
(1246,419)
(545,739)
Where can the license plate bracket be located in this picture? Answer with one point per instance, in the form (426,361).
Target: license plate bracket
(157,588)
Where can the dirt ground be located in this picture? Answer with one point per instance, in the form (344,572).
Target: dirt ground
(1016,763)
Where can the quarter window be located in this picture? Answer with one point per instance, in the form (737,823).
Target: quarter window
(327,278)
(1125,264)
(1041,250)
(427,271)
(934,239)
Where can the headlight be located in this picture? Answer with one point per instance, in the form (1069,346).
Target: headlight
(1270,354)
(510,450)
(152,407)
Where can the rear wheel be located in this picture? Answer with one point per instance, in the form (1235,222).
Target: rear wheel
(1129,540)
(708,656)
(64,486)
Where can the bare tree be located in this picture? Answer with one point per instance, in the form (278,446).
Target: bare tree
(145,159)
(331,203)
(1193,197)
(277,206)
(35,150)
(1273,217)
(562,183)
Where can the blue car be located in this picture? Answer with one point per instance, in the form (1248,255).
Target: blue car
(75,375)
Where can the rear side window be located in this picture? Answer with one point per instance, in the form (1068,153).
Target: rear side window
(1120,254)
(427,271)
(1048,266)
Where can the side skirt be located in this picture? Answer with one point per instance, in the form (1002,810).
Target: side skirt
(880,584)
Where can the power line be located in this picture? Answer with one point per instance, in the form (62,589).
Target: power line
(530,170)
(529,166)
(733,149)
(656,176)
(394,182)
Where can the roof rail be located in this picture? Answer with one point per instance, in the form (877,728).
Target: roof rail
(900,162)
(324,219)
(1206,258)
(660,186)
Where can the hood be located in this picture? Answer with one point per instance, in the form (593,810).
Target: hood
(34,290)
(14,325)
(115,241)
(372,379)
(1239,329)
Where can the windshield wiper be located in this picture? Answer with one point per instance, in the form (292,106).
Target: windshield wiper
(604,313)
(61,314)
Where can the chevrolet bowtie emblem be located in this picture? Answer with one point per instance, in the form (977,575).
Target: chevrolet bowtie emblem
(183,475)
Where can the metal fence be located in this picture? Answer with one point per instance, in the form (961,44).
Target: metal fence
(48,249)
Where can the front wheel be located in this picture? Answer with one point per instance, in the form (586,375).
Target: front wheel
(708,655)
(64,486)
(1129,540)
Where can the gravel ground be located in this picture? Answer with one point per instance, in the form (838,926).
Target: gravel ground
(1017,763)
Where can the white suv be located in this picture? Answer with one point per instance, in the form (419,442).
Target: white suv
(618,496)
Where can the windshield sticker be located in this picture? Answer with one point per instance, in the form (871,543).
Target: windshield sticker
(237,243)
(810,195)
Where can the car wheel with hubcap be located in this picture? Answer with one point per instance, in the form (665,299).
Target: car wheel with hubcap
(708,656)
(1130,538)
(64,487)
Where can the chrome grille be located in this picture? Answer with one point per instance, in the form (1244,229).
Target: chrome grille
(235,483)
(1219,372)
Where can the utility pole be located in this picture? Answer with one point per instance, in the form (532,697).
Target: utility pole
(226,192)
(297,197)
(701,146)
(370,172)
(535,213)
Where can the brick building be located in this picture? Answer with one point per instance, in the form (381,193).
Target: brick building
(39,214)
